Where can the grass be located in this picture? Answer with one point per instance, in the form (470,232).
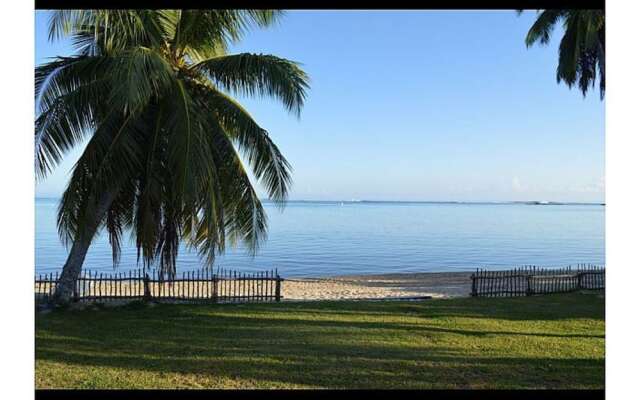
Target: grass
(552,341)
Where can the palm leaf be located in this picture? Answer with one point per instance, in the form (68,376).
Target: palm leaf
(259,74)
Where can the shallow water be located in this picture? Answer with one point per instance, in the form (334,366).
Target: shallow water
(333,238)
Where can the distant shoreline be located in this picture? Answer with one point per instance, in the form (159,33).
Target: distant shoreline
(449,202)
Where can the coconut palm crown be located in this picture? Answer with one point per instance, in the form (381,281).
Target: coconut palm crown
(166,143)
(581,55)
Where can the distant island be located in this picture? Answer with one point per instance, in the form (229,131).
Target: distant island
(527,202)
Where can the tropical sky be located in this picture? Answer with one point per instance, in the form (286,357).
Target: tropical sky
(419,105)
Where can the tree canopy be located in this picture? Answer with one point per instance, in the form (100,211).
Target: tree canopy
(167,144)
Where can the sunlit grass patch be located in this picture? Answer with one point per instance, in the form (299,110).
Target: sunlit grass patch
(537,342)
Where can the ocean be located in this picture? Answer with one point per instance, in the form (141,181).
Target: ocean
(320,239)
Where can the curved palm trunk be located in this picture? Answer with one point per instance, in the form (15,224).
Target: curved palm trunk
(71,271)
(73,265)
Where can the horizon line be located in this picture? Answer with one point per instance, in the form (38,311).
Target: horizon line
(528,202)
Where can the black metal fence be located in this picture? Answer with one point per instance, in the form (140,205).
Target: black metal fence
(532,280)
(203,285)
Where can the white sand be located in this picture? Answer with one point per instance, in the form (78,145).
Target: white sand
(436,285)
(386,286)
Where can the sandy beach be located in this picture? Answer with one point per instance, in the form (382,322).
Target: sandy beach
(435,285)
(347,287)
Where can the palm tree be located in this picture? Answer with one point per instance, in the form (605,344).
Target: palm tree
(581,56)
(166,142)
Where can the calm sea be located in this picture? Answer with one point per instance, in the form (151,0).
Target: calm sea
(333,238)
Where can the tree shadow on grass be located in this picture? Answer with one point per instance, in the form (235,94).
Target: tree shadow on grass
(339,347)
(354,367)
(543,308)
(238,326)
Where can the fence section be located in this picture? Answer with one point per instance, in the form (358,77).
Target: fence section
(532,280)
(202,285)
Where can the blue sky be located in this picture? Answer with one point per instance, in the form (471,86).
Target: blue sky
(419,105)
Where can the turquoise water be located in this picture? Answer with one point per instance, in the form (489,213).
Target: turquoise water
(333,238)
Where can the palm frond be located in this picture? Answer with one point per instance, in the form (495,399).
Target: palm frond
(97,32)
(258,74)
(68,94)
(266,161)
(139,75)
(581,56)
(541,29)
(112,156)
(196,29)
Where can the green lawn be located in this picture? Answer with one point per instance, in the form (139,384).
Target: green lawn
(539,342)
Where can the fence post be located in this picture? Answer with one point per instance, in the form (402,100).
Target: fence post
(215,288)
(147,290)
(528,291)
(474,289)
(76,283)
(579,281)
(278,280)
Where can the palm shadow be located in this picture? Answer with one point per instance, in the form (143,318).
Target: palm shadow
(299,348)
